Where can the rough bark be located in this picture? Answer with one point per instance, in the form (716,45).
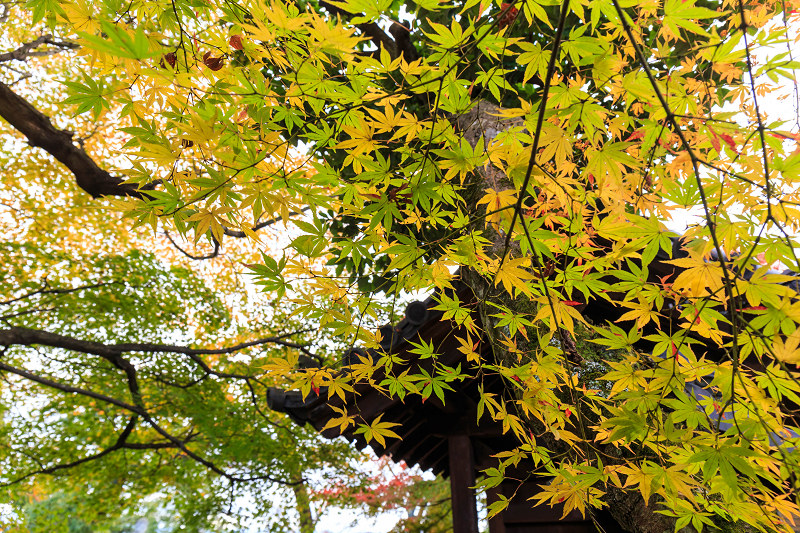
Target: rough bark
(41,133)
(627,508)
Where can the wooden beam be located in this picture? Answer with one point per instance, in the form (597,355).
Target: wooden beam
(462,478)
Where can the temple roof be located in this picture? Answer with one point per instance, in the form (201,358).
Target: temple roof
(424,425)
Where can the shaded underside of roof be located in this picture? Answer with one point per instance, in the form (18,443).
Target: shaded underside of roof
(424,425)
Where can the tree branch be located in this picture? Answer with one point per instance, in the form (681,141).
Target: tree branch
(27,50)
(399,42)
(59,291)
(69,388)
(63,466)
(121,443)
(112,354)
(210,255)
(133,386)
(28,337)
(166,348)
(41,133)
(379,37)
(263,224)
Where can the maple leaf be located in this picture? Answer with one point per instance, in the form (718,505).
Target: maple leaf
(378,431)
(699,277)
(341,422)
(787,349)
(513,274)
(498,203)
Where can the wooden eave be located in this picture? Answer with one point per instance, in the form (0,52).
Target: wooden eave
(423,426)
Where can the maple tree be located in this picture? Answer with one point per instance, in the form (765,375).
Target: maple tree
(343,155)
(76,283)
(393,487)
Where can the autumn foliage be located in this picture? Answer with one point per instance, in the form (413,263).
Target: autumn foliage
(602,174)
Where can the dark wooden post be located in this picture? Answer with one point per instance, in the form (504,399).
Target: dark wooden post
(462,477)
(496,524)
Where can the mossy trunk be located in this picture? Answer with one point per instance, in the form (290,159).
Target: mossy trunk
(627,508)
(303,503)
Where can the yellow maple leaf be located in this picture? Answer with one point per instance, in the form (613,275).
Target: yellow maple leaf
(641,311)
(787,350)
(498,204)
(512,275)
(343,421)
(700,277)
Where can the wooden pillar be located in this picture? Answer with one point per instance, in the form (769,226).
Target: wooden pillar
(496,524)
(462,477)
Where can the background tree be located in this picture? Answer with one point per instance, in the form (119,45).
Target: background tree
(393,487)
(80,445)
(536,148)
